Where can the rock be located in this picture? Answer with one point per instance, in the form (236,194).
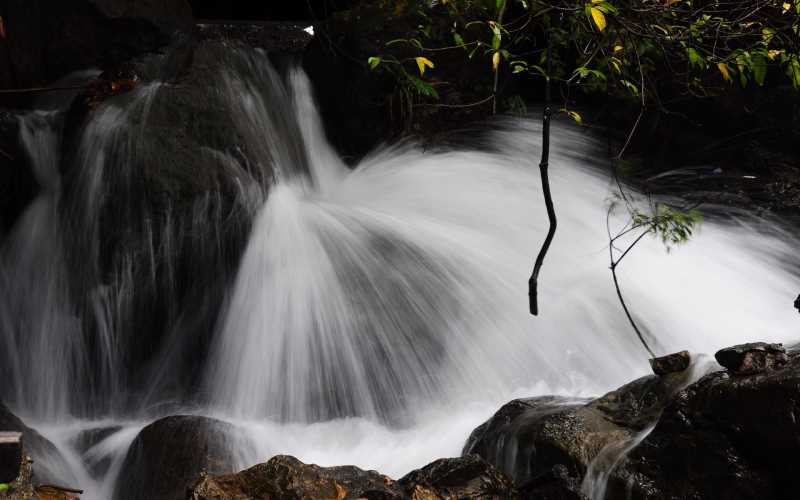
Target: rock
(170,453)
(797,303)
(46,39)
(724,437)
(671,363)
(285,477)
(555,483)
(10,456)
(529,436)
(85,440)
(465,477)
(752,358)
(49,465)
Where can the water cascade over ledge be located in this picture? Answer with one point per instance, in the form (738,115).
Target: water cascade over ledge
(375,314)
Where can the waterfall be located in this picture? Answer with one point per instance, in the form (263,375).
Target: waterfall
(373,315)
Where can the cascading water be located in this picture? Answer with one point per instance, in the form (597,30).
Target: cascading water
(378,313)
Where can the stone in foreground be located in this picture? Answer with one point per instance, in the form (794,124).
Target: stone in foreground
(287,477)
(748,359)
(671,363)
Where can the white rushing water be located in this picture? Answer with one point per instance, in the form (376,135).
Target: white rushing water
(380,313)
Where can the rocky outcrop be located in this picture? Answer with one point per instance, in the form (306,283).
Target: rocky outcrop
(731,435)
(757,357)
(170,453)
(727,436)
(49,465)
(285,477)
(527,437)
(46,39)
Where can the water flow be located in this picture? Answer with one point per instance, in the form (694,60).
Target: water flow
(378,313)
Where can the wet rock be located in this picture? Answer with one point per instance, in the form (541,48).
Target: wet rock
(724,437)
(86,440)
(555,483)
(465,477)
(529,436)
(797,303)
(49,465)
(752,358)
(671,363)
(10,456)
(170,453)
(46,39)
(286,477)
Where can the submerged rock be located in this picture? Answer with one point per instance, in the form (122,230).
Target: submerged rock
(287,477)
(170,453)
(752,358)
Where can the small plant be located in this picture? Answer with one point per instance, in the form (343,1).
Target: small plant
(672,225)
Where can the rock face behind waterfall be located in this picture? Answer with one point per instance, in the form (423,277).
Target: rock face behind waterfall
(47,39)
(285,477)
(170,453)
(726,436)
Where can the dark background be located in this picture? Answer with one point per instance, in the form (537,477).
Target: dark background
(270,10)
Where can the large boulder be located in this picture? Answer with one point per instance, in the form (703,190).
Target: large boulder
(17,182)
(285,477)
(727,436)
(46,39)
(527,437)
(170,453)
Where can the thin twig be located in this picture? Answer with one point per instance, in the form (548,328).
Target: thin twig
(548,198)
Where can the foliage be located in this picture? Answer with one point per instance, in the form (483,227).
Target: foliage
(671,224)
(631,48)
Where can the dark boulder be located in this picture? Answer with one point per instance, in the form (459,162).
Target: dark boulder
(724,437)
(46,39)
(752,358)
(465,477)
(527,437)
(170,453)
(727,436)
(285,477)
(10,456)
(49,465)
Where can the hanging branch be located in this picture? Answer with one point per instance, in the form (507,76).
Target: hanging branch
(548,199)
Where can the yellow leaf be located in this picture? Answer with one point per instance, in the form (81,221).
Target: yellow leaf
(495,61)
(599,18)
(421,63)
(617,48)
(723,68)
(772,54)
(786,7)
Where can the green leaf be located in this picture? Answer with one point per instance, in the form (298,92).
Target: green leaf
(758,67)
(457,38)
(374,62)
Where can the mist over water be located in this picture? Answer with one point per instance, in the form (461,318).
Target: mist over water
(379,313)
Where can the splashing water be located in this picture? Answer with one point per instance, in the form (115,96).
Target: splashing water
(379,313)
